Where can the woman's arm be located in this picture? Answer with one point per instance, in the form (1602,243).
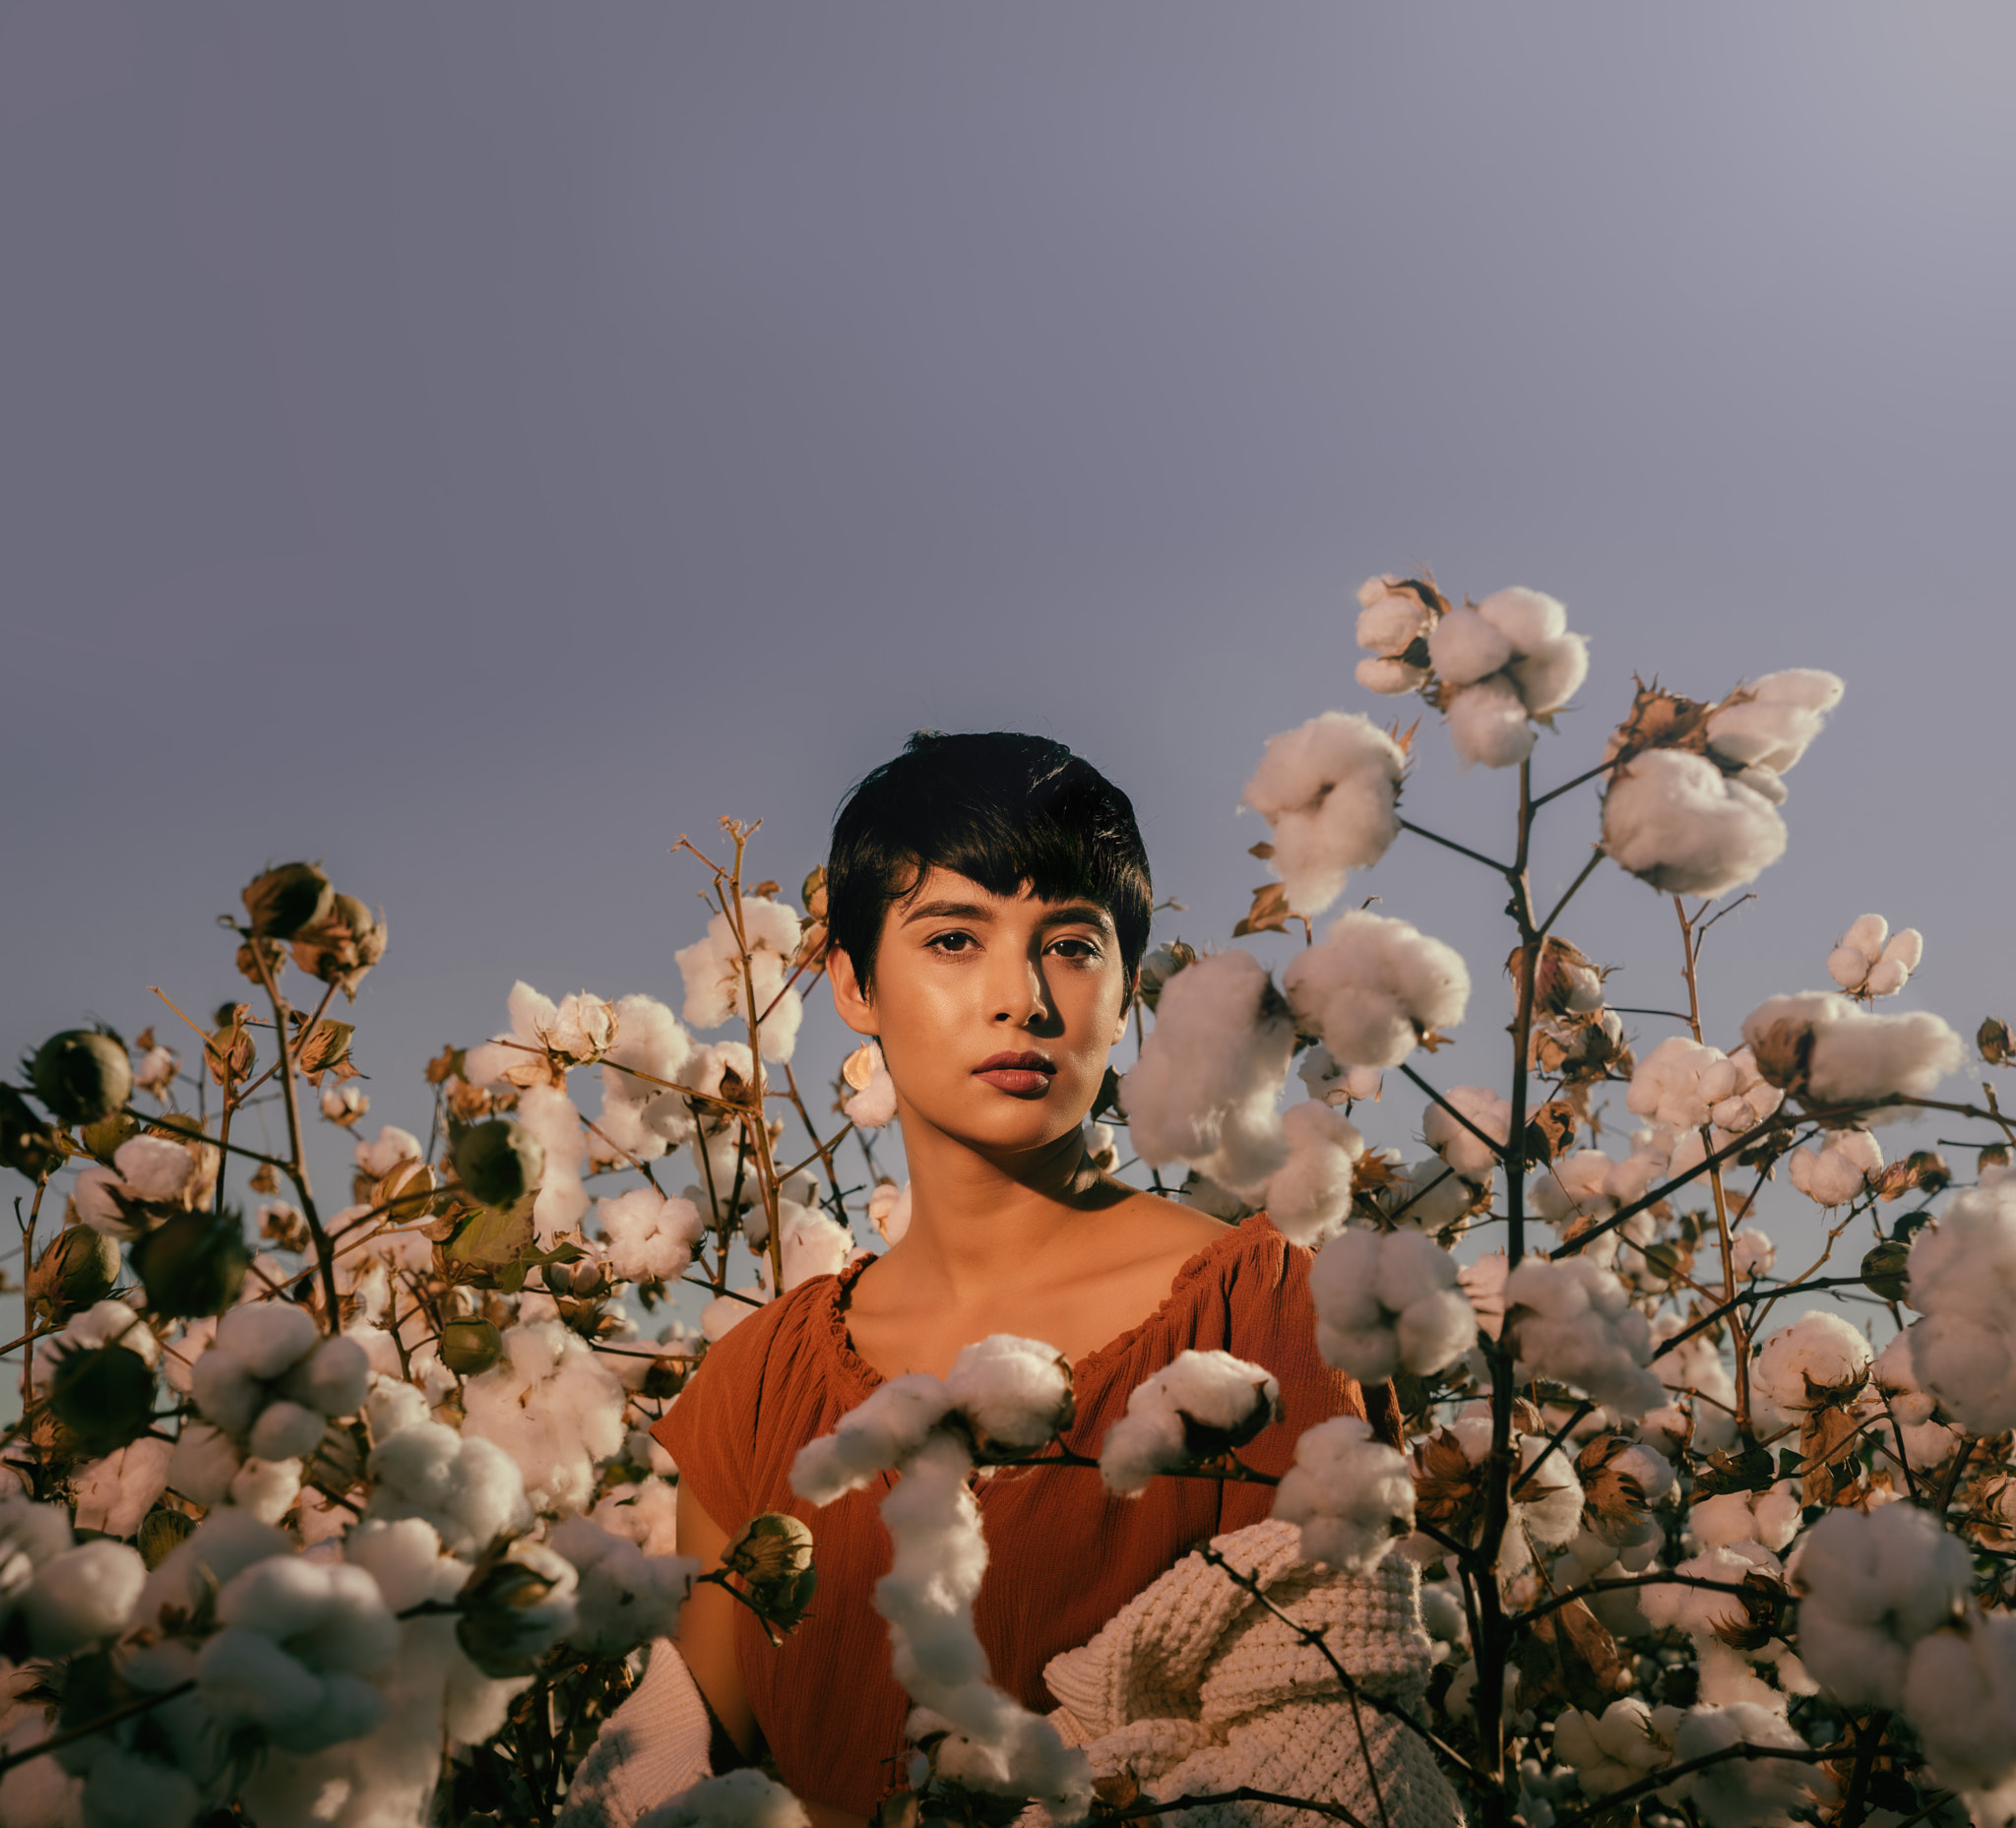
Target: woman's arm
(706,1626)
(706,1641)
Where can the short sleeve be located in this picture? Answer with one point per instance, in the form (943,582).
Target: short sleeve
(1272,1321)
(711,1423)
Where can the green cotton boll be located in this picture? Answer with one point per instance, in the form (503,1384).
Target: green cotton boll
(79,1267)
(82,1076)
(500,1630)
(470,1347)
(499,1162)
(286,899)
(193,1265)
(27,1145)
(103,1395)
(161,1532)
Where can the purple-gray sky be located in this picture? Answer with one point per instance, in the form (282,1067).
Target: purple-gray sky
(474,444)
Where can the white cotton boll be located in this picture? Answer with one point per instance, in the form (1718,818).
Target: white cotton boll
(1673,820)
(1962,1277)
(387,1150)
(124,1790)
(1622,1745)
(1577,1327)
(469,1489)
(1847,965)
(1015,1393)
(267,1488)
(1463,647)
(1198,1404)
(82,1597)
(41,1793)
(1743,1792)
(726,1312)
(1550,674)
(334,1379)
(889,1211)
(1372,989)
(154,1169)
(1841,1172)
(623,1139)
(810,1244)
(1389,677)
(225,1390)
(1818,1360)
(648,1514)
(115,1494)
(1327,790)
(330,1615)
(1874,1585)
(1349,1492)
(1528,620)
(226,1541)
(1905,948)
(740,1799)
(1308,1197)
(1390,621)
(286,1431)
(1386,1303)
(1886,977)
(1867,935)
(1468,1154)
(624,1598)
(393,1405)
(562,1202)
(267,1338)
(1850,1056)
(91,1195)
(1753,1253)
(873,1437)
(1959,1694)
(649,1238)
(1776,717)
(104,1323)
(873,1106)
(1204,1088)
(553,1407)
(1488,724)
(204,1462)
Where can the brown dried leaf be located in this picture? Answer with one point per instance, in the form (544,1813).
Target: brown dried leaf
(859,1066)
(1268,913)
(326,1045)
(1568,1654)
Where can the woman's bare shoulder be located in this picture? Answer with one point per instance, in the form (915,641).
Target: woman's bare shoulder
(1160,1225)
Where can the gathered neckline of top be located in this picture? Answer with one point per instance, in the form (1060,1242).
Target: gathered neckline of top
(833,1303)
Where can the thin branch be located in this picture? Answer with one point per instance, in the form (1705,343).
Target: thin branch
(1497,1149)
(1449,843)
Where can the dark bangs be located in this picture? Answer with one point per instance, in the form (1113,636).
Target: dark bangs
(1010,811)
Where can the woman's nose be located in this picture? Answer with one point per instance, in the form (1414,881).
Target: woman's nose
(1021,1000)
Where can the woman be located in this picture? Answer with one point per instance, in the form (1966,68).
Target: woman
(988,902)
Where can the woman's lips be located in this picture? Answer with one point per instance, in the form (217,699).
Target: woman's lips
(1022,1075)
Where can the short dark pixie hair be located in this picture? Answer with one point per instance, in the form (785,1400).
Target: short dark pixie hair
(1012,812)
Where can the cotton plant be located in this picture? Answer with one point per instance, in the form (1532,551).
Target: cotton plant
(1690,1543)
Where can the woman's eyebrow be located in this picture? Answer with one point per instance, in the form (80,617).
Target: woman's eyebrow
(942,911)
(1085,915)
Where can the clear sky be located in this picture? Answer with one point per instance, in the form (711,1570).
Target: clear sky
(474,444)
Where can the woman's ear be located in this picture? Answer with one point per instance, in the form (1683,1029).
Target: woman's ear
(857,1007)
(1126,1009)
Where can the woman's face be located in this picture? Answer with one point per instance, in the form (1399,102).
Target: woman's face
(995,1013)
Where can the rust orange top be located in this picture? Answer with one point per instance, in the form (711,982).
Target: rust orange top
(1063,1557)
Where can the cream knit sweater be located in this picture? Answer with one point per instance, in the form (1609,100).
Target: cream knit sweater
(1194,1686)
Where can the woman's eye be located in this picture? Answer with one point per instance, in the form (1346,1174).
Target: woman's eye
(950,942)
(1081,951)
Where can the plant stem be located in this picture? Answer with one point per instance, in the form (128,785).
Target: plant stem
(296,1169)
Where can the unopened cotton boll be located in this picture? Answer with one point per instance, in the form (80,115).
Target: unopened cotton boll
(1577,1327)
(1389,1302)
(1014,1393)
(624,1598)
(740,1799)
(649,1238)
(1676,820)
(1349,1492)
(1209,1071)
(1374,988)
(1832,1052)
(881,1433)
(1841,1172)
(1308,1197)
(1872,1585)
(1457,1142)
(1200,1405)
(1327,790)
